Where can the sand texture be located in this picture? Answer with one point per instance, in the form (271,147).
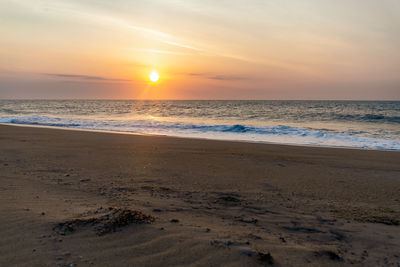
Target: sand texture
(102,199)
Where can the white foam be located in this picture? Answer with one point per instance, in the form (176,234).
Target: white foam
(272,134)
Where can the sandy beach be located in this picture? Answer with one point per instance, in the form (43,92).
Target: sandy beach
(76,198)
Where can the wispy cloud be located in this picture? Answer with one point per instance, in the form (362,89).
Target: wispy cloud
(163,37)
(149,31)
(158,51)
(83,77)
(182,45)
(69,9)
(218,77)
(226,78)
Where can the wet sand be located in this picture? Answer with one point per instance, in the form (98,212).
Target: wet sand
(103,199)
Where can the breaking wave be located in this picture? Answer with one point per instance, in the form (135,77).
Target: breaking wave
(272,134)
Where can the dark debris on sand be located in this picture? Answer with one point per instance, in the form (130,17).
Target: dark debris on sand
(381,219)
(115,219)
(328,254)
(266,258)
(244,248)
(228,199)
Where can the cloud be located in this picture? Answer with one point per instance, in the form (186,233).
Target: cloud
(182,45)
(218,77)
(158,51)
(163,37)
(226,77)
(69,8)
(151,31)
(83,77)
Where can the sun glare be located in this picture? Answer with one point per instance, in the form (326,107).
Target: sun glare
(154,76)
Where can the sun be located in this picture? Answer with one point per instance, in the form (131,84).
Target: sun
(154,76)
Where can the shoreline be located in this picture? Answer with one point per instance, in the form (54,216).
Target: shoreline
(195,138)
(198,202)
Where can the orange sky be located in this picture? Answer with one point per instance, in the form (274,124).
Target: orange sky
(305,49)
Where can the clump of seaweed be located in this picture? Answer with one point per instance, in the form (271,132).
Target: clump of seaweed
(228,199)
(115,219)
(266,258)
(123,217)
(328,254)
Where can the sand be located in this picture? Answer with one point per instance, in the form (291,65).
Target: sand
(103,199)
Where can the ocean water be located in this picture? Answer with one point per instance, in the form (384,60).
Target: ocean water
(355,124)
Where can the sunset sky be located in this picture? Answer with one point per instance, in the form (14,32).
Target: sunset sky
(208,49)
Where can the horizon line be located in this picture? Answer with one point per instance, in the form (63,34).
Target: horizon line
(135,99)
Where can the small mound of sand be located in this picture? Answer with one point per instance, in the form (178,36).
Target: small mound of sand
(110,222)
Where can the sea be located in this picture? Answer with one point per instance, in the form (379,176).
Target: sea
(351,124)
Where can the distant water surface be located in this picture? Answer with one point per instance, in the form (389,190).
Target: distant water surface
(357,124)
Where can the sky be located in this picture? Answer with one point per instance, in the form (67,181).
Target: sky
(202,49)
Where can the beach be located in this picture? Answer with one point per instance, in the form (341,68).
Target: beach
(194,202)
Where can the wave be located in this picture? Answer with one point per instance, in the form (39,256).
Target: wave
(378,118)
(272,134)
(17,121)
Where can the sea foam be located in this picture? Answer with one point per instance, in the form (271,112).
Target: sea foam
(271,134)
